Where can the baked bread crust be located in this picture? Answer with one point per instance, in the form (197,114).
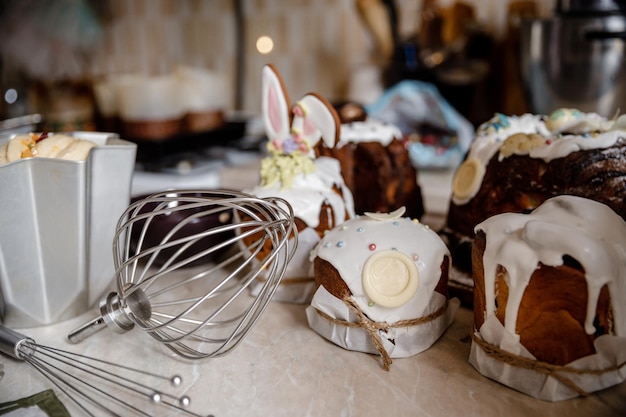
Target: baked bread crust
(381,178)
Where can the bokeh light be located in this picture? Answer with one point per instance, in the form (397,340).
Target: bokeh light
(264,44)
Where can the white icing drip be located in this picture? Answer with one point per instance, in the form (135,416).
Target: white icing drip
(564,145)
(370,130)
(586,230)
(488,141)
(309,191)
(347,248)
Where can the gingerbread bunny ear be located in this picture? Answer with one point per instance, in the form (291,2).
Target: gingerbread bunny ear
(276,106)
(318,120)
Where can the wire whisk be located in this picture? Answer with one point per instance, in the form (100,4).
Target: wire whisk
(167,288)
(96,386)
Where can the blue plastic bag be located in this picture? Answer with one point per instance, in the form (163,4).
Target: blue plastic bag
(416,108)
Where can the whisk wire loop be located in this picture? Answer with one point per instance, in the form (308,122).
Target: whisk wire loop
(188,287)
(96,386)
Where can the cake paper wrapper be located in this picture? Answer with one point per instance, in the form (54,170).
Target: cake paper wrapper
(297,285)
(407,341)
(610,353)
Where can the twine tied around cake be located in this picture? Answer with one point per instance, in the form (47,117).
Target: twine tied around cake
(374,328)
(555,371)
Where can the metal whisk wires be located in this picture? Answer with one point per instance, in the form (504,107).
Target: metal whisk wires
(95,386)
(189,288)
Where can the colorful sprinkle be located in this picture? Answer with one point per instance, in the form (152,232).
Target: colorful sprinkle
(343,227)
(372,246)
(415,256)
(327,244)
(396,223)
(371,304)
(340,244)
(548,141)
(360,229)
(499,122)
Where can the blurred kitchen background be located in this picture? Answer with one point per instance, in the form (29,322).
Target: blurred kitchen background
(177,73)
(53,52)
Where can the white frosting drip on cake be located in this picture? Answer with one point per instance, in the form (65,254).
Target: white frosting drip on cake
(308,191)
(370,130)
(350,245)
(588,231)
(564,132)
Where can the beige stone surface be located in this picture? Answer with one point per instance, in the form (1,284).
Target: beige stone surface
(283,368)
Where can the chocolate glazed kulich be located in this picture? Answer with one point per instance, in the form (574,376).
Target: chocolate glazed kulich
(380,175)
(381,178)
(520,184)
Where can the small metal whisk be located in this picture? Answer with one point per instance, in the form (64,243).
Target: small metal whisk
(196,310)
(94,385)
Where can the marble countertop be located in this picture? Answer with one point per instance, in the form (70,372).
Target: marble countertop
(283,368)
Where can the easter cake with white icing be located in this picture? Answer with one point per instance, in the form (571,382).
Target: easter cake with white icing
(550,298)
(313,186)
(381,286)
(515,163)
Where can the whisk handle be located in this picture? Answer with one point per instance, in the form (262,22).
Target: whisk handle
(86,330)
(113,315)
(10,342)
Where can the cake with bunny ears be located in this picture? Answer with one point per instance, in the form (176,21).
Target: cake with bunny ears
(550,298)
(381,286)
(375,164)
(517,162)
(313,186)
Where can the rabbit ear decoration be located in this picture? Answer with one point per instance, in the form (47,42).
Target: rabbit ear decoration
(276,106)
(315,118)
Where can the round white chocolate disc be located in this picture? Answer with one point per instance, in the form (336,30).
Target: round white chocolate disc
(390,278)
(468,178)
